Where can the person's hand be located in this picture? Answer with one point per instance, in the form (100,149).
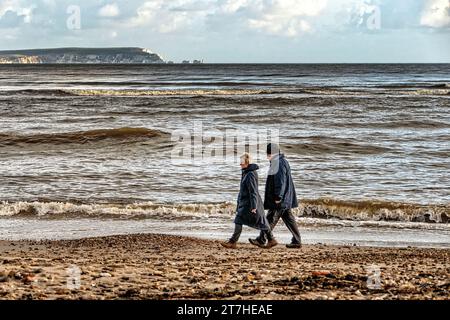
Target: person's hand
(253,211)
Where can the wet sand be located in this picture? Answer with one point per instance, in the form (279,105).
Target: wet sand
(170,267)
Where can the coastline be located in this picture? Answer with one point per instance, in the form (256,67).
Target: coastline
(155,266)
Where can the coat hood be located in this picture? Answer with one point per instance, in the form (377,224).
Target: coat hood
(277,156)
(251,167)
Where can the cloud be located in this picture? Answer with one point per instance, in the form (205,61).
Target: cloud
(276,26)
(436,14)
(276,17)
(286,17)
(14,11)
(235,30)
(231,6)
(167,16)
(360,16)
(109,11)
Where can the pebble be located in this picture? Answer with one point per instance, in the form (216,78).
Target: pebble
(321,273)
(28,279)
(407,287)
(105,275)
(249,277)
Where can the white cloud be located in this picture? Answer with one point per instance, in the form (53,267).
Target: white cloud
(165,17)
(436,14)
(109,11)
(276,17)
(231,6)
(286,17)
(276,26)
(17,7)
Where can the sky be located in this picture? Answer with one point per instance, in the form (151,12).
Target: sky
(238,31)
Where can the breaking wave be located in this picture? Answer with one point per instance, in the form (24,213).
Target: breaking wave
(373,210)
(238,89)
(80,137)
(324,208)
(135,92)
(182,92)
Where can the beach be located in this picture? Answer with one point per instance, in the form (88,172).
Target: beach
(118,181)
(156,266)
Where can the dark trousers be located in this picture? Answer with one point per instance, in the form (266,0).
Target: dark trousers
(238,230)
(274,215)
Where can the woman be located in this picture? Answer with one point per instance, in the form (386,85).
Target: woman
(250,208)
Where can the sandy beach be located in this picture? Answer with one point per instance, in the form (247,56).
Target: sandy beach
(170,267)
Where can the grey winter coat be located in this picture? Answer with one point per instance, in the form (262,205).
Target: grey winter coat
(249,199)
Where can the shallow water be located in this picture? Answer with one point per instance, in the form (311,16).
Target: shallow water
(220,229)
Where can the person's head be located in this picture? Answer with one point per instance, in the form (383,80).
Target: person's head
(272,150)
(246,159)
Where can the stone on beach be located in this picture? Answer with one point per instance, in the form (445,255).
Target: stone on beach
(182,268)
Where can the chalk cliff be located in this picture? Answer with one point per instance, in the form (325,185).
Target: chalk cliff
(80,55)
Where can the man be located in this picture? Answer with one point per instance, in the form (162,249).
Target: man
(279,197)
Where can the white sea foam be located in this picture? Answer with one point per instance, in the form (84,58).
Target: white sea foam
(319,210)
(183,92)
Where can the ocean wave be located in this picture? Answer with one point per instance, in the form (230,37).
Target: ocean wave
(418,85)
(135,92)
(33,92)
(183,92)
(419,124)
(180,92)
(116,210)
(429,92)
(324,208)
(373,210)
(234,89)
(336,148)
(435,90)
(322,145)
(81,137)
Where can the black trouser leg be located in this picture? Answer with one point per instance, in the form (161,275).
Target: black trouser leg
(237,233)
(268,234)
(291,224)
(273,216)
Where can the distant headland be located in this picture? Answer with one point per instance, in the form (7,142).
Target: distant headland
(125,55)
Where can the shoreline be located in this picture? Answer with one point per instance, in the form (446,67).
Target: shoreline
(153,266)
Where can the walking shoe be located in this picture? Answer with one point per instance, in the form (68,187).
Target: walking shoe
(294,246)
(229,245)
(272,243)
(255,242)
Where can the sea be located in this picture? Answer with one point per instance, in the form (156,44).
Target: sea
(93,150)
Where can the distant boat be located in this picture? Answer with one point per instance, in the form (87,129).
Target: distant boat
(198,61)
(186,62)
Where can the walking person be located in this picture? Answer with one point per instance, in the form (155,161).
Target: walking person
(250,208)
(280,197)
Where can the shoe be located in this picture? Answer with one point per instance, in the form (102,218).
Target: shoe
(272,243)
(294,246)
(255,242)
(229,245)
